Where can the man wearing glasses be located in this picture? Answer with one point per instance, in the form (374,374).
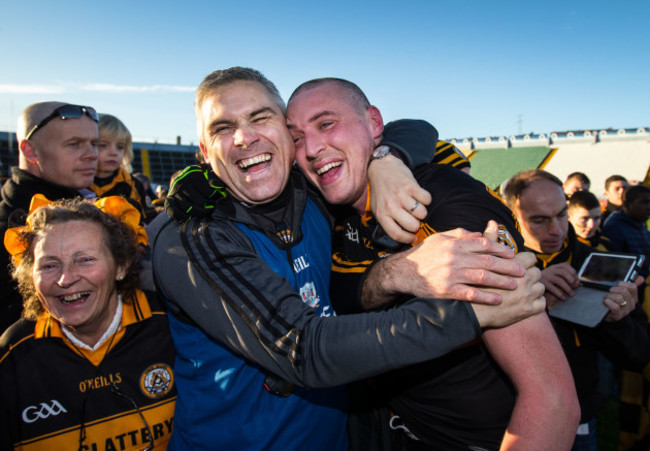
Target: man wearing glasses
(58,158)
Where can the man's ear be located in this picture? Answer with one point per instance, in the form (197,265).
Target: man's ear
(29,151)
(376,121)
(204,152)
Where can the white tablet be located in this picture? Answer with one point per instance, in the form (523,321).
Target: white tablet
(605,270)
(598,274)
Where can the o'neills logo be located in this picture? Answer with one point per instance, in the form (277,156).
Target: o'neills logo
(157,380)
(100,382)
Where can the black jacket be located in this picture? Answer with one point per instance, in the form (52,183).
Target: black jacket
(624,342)
(17,194)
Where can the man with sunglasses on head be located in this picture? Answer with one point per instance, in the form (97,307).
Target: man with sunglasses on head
(57,158)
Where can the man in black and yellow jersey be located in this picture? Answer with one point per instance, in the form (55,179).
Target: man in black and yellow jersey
(537,199)
(482,395)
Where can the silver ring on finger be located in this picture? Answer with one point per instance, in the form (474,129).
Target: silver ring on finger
(415,205)
(623,304)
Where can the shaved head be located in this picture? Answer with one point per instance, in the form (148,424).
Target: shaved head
(34,114)
(63,151)
(353,94)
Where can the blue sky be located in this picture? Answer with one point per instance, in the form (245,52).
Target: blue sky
(470,67)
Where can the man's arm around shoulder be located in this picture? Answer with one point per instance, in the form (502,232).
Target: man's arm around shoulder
(225,290)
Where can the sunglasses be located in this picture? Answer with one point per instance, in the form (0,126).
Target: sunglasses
(66,112)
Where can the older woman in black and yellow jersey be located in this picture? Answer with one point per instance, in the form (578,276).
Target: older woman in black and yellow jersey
(89,366)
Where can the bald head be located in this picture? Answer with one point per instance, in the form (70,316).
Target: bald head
(353,95)
(34,114)
(63,150)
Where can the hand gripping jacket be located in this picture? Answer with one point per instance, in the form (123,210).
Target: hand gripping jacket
(253,301)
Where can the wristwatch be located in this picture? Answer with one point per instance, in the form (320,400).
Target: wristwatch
(379,153)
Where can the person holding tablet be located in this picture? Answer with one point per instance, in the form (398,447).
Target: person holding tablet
(537,200)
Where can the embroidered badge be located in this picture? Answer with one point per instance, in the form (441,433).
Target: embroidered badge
(309,296)
(157,380)
(505,238)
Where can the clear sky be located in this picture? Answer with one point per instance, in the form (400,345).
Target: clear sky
(470,67)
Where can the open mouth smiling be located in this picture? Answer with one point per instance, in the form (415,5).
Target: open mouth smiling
(328,167)
(255,162)
(72,298)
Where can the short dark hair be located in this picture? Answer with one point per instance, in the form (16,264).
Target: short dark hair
(522,180)
(614,178)
(633,192)
(118,238)
(584,199)
(356,95)
(223,77)
(581,176)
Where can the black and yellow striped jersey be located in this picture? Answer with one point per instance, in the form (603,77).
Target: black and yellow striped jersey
(55,395)
(447,153)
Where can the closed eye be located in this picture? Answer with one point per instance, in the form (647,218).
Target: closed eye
(260,119)
(222,129)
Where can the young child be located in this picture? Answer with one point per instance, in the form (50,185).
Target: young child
(113,176)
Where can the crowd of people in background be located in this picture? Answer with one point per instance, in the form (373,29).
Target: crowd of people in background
(318,280)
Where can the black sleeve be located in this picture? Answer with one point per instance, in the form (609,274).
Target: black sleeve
(8,415)
(209,272)
(139,187)
(414,139)
(11,303)
(626,341)
(458,200)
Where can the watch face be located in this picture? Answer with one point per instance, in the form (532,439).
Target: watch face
(380,152)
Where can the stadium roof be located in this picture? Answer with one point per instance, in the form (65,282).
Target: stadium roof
(630,159)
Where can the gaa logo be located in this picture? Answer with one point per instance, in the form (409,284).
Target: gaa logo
(42,411)
(157,380)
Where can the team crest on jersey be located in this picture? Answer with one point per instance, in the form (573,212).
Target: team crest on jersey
(309,296)
(157,380)
(505,238)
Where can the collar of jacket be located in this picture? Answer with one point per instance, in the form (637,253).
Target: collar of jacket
(288,208)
